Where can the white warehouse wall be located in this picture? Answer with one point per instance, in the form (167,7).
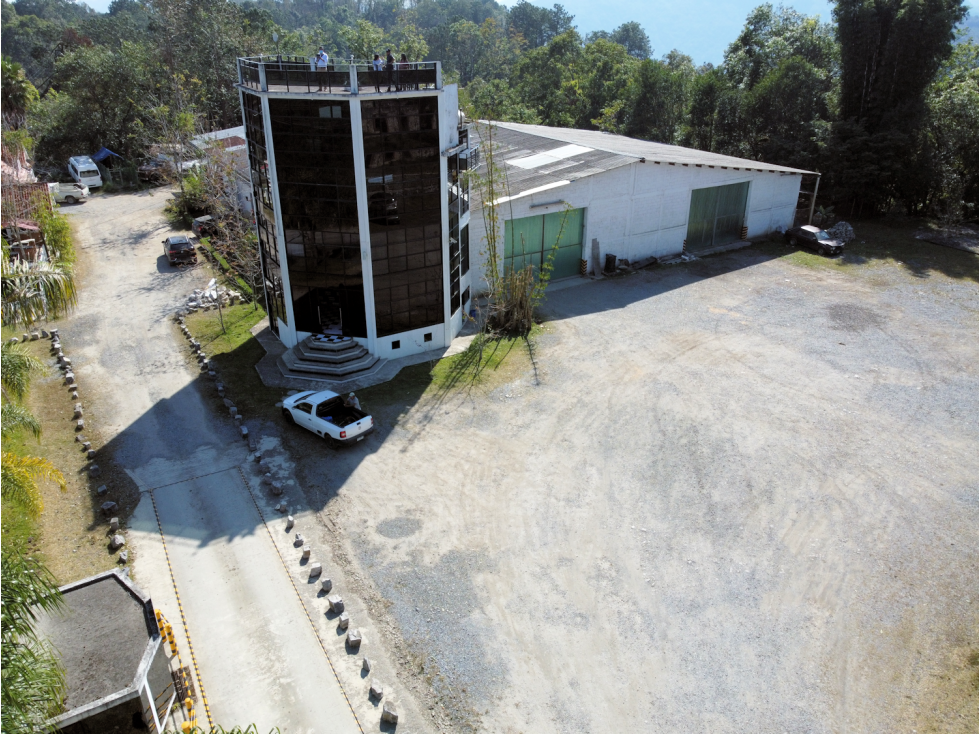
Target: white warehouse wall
(640,210)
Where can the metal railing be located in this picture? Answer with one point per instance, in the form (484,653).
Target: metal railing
(299,74)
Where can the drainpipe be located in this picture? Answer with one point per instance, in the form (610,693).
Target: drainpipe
(812,206)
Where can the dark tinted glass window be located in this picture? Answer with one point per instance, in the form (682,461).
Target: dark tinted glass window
(315,170)
(401,149)
(264,210)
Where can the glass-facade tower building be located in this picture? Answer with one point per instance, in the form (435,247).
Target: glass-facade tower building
(362,202)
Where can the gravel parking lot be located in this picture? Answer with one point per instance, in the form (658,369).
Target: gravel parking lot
(736,495)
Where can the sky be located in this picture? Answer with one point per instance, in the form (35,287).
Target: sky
(699,28)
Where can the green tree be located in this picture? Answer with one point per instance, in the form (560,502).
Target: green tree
(364,39)
(19,95)
(890,52)
(631,36)
(657,98)
(607,69)
(706,93)
(548,81)
(33,686)
(539,26)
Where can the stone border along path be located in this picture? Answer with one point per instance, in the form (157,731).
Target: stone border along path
(116,540)
(354,637)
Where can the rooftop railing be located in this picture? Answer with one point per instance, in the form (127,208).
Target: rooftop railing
(299,74)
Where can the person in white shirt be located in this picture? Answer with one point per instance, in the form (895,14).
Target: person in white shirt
(378,68)
(352,401)
(322,65)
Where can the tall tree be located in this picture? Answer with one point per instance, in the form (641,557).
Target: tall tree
(633,38)
(539,26)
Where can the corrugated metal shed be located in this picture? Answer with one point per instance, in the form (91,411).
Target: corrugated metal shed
(525,144)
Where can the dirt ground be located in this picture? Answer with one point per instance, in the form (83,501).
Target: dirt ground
(735,495)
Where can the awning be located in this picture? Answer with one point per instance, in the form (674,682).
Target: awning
(27,226)
(103,154)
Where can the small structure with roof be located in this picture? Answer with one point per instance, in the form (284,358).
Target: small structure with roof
(117,673)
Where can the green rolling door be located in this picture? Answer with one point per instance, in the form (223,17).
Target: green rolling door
(528,241)
(716,216)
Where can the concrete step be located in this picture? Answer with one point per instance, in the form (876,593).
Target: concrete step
(327,373)
(308,353)
(295,363)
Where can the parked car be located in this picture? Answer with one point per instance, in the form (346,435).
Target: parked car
(815,239)
(68,193)
(83,169)
(204,226)
(325,414)
(179,250)
(152,171)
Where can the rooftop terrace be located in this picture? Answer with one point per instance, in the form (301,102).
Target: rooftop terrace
(298,75)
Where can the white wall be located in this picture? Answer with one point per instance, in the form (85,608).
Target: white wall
(640,210)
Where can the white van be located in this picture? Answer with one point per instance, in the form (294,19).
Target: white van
(84,171)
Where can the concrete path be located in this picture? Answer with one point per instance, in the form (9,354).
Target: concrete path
(256,651)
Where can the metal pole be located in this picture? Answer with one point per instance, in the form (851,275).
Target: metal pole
(812,206)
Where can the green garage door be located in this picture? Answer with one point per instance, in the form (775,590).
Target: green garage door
(528,241)
(716,216)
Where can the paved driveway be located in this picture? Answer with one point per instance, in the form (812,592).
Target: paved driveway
(257,651)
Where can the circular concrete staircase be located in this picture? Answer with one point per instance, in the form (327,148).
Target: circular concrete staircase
(330,358)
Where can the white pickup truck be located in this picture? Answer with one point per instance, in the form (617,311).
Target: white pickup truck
(325,414)
(68,193)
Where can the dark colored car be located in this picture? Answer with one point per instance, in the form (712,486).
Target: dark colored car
(153,171)
(179,250)
(204,226)
(815,239)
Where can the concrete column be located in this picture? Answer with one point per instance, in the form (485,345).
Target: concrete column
(262,83)
(288,334)
(363,218)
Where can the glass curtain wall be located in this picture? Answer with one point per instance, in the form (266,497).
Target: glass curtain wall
(314,164)
(401,148)
(264,210)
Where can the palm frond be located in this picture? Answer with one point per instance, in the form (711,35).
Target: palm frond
(32,291)
(33,685)
(19,477)
(13,416)
(17,369)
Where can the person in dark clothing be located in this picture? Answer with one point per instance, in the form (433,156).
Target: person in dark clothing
(389,68)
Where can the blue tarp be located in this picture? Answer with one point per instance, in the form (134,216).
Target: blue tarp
(103,154)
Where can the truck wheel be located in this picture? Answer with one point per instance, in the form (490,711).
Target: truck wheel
(793,241)
(330,441)
(70,200)
(287,414)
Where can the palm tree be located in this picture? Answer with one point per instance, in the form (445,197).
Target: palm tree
(20,475)
(33,681)
(18,93)
(32,291)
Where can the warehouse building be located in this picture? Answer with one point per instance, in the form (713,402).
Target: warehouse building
(607,194)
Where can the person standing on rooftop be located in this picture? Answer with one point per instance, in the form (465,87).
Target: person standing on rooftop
(389,67)
(378,66)
(322,64)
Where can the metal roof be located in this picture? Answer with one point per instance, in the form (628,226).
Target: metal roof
(608,151)
(518,153)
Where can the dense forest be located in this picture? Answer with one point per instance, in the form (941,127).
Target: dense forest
(883,100)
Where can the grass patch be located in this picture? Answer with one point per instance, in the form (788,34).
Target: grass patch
(885,242)
(234,353)
(71,534)
(487,362)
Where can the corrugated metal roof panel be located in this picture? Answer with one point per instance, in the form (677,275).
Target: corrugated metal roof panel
(633,148)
